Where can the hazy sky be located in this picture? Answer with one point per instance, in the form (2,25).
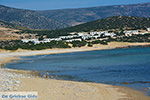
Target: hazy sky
(61,4)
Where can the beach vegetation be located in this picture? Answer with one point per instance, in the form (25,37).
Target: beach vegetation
(17,44)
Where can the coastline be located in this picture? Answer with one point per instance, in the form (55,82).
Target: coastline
(64,90)
(14,55)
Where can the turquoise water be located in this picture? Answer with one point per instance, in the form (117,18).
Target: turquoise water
(123,67)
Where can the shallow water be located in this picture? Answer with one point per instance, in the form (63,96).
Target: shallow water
(123,67)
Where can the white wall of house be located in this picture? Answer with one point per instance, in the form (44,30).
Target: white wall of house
(131,32)
(148,29)
(73,40)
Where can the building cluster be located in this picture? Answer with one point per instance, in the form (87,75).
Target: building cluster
(73,37)
(136,32)
(95,35)
(80,36)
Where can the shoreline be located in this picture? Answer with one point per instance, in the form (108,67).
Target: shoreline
(73,90)
(15,55)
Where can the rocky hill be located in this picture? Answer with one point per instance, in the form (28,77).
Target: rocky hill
(28,18)
(115,22)
(81,15)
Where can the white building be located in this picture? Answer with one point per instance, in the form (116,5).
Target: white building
(35,41)
(96,37)
(98,33)
(148,29)
(131,32)
(72,33)
(82,33)
(109,34)
(52,39)
(68,37)
(73,40)
(86,36)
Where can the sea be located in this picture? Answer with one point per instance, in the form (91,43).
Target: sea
(129,67)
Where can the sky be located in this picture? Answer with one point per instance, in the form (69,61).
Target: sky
(63,4)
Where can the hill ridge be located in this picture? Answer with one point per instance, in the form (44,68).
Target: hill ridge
(56,19)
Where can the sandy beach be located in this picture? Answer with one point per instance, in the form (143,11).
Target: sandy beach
(49,89)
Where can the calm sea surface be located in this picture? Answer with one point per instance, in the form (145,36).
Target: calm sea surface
(123,67)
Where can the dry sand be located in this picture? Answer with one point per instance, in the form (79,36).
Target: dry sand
(67,90)
(49,89)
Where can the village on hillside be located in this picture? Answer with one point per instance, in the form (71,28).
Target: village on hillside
(93,35)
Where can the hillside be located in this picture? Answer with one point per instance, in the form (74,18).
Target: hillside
(6,24)
(116,22)
(81,15)
(28,18)
(10,31)
(55,19)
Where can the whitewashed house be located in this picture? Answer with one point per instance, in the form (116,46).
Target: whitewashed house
(109,34)
(81,34)
(72,33)
(131,32)
(148,29)
(97,33)
(35,41)
(73,40)
(86,36)
(68,37)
